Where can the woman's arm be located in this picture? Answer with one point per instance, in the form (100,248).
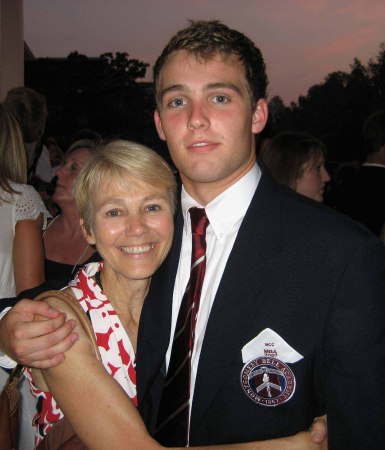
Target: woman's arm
(89,396)
(28,253)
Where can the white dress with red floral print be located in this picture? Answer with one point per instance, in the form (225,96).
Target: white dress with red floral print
(115,347)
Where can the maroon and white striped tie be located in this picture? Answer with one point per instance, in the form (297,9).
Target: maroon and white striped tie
(173,415)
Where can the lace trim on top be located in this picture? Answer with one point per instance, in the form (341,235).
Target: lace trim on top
(29,205)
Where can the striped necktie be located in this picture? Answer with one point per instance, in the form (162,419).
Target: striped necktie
(173,415)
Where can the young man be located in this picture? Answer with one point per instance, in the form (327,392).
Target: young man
(284,277)
(292,301)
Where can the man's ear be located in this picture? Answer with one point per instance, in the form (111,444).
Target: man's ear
(88,235)
(158,124)
(260,116)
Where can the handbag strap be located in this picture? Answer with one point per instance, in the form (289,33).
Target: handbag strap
(62,435)
(81,316)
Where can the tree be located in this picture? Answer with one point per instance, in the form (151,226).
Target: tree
(335,110)
(121,70)
(99,93)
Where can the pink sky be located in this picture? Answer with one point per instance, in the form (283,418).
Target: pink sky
(302,40)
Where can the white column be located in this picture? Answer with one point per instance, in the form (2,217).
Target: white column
(11,45)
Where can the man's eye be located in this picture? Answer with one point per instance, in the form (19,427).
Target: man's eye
(176,102)
(113,213)
(221,99)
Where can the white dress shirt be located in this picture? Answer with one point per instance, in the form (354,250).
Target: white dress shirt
(225,214)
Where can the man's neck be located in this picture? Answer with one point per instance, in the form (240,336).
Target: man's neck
(377,157)
(204,193)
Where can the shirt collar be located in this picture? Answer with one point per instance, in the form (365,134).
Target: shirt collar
(229,207)
(373,165)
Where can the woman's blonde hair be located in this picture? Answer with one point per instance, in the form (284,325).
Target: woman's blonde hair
(13,159)
(115,161)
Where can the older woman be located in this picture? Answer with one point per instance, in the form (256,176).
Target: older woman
(126,197)
(66,249)
(298,161)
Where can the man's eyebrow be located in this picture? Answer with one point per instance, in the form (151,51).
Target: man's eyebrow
(173,88)
(223,85)
(207,87)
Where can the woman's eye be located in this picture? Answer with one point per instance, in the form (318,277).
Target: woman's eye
(221,99)
(153,208)
(113,213)
(176,102)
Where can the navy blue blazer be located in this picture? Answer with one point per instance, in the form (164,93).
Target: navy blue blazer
(315,278)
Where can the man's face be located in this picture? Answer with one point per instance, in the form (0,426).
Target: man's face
(206,117)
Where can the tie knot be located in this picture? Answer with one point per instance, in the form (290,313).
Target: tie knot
(199,221)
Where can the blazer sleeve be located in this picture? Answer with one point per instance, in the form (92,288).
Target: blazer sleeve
(354,349)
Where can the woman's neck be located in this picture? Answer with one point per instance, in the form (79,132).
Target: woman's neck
(126,295)
(70,220)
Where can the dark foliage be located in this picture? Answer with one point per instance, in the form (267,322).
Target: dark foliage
(335,110)
(103,94)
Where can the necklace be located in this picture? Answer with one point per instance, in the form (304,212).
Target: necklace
(52,221)
(81,256)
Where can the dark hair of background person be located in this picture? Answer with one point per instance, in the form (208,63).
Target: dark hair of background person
(30,109)
(374,132)
(286,154)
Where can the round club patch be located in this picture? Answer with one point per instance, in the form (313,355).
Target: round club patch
(268,381)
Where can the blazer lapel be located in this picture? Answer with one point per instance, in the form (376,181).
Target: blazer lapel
(155,321)
(245,284)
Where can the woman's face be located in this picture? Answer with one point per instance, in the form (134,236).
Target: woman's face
(313,179)
(132,227)
(68,173)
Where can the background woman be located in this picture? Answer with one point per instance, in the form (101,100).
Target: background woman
(298,161)
(65,247)
(22,215)
(126,197)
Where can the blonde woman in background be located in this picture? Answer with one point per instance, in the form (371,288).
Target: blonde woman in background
(23,215)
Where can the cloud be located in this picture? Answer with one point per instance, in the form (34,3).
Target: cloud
(346,44)
(314,6)
(370,10)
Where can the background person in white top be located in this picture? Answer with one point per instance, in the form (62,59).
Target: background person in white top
(22,215)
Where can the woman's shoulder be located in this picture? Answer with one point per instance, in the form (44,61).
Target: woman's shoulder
(64,301)
(29,204)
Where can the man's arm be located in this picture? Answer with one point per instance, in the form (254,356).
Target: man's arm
(82,376)
(355,352)
(36,344)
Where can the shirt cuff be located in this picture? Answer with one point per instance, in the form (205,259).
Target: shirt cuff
(6,361)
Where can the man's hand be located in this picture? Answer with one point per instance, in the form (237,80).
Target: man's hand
(37,344)
(319,431)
